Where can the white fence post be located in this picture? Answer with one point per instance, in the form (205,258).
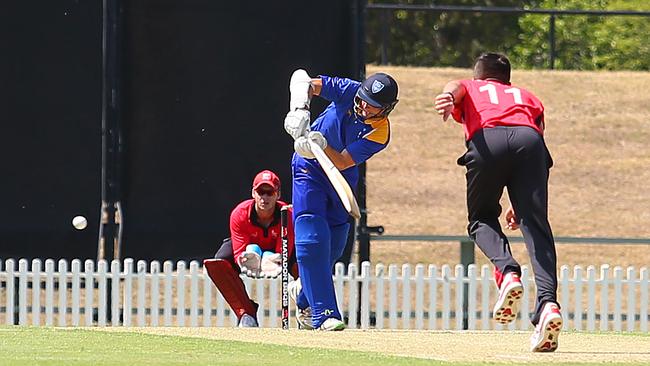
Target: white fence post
(194,293)
(89,286)
(591,298)
(36,292)
(486,312)
(419,296)
(102,294)
(274,300)
(49,292)
(127,301)
(22,292)
(411,294)
(76,298)
(631,304)
(63,291)
(459,283)
(115,292)
(167,295)
(433,297)
(392,307)
(365,295)
(141,268)
(618,292)
(406,296)
(472,294)
(379,280)
(155,292)
(577,294)
(446,294)
(643,308)
(207,298)
(353,295)
(9,304)
(604,298)
(180,293)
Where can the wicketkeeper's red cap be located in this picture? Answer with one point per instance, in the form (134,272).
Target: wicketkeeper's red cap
(266,177)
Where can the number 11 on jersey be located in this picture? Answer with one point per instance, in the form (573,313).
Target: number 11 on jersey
(494,98)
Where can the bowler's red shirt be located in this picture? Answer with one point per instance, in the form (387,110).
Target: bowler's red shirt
(490,103)
(245,229)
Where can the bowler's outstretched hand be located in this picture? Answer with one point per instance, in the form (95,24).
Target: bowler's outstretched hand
(444,104)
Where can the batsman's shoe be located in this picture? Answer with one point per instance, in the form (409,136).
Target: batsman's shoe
(510,293)
(303,316)
(332,324)
(547,331)
(247,321)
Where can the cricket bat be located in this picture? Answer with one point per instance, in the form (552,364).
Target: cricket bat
(339,183)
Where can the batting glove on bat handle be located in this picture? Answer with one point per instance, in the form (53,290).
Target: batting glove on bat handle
(302,148)
(318,138)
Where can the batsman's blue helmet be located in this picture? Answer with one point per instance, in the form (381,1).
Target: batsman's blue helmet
(379,90)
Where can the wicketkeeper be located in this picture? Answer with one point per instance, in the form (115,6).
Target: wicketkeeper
(353,127)
(253,248)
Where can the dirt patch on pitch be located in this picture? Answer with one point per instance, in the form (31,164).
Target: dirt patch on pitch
(476,346)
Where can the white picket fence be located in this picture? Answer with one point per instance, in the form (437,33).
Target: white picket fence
(410,297)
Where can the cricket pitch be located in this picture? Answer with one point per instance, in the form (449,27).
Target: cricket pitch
(449,346)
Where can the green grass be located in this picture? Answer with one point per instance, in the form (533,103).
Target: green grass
(50,346)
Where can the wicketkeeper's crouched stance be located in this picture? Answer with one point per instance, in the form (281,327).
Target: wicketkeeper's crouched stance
(352,128)
(254,247)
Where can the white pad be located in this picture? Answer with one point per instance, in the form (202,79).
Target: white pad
(299,87)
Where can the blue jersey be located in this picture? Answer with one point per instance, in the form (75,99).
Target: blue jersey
(344,130)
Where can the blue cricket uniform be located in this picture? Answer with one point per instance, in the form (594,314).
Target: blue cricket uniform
(320,220)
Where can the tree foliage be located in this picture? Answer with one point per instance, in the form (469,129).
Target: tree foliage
(586,42)
(429,38)
(582,42)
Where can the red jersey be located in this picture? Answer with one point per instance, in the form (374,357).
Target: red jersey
(491,103)
(245,229)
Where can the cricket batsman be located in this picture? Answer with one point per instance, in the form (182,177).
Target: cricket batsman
(353,128)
